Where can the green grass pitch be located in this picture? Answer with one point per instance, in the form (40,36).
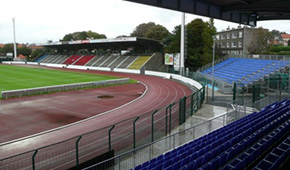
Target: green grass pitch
(19,77)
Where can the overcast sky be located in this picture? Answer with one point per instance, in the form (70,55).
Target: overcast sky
(38,21)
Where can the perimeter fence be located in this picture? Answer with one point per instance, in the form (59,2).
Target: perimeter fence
(118,138)
(135,157)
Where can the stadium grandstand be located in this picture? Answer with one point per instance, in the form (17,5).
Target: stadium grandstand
(112,53)
(245,70)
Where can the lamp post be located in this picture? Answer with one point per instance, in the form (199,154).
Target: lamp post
(15,51)
(213,54)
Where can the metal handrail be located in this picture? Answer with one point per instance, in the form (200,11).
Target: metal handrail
(159,140)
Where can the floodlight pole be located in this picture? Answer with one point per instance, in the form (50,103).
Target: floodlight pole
(213,54)
(181,69)
(15,51)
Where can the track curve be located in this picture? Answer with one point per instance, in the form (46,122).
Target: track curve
(160,92)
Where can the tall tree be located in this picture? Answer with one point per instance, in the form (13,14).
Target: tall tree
(121,36)
(199,42)
(157,32)
(1,50)
(24,51)
(259,43)
(140,30)
(207,37)
(173,41)
(8,48)
(83,35)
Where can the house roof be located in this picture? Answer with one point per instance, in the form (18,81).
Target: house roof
(21,56)
(285,36)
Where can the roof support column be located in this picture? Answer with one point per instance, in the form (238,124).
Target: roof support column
(182,44)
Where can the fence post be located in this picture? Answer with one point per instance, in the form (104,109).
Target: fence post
(112,127)
(182,110)
(191,103)
(203,92)
(234,92)
(254,93)
(170,117)
(152,125)
(166,118)
(77,150)
(212,90)
(197,100)
(134,132)
(33,159)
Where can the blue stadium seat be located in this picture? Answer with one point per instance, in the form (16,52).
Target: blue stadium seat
(176,165)
(245,70)
(234,146)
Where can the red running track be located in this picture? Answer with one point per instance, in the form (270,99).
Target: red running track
(161,92)
(24,116)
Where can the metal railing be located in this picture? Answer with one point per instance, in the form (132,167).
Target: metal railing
(262,57)
(120,137)
(260,104)
(135,157)
(209,65)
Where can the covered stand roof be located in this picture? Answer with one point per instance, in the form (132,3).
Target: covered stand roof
(246,12)
(113,44)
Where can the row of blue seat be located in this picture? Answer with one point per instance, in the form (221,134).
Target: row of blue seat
(245,70)
(217,148)
(276,157)
(255,151)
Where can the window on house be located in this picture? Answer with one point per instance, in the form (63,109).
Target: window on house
(217,37)
(228,36)
(240,34)
(223,36)
(240,43)
(234,44)
(223,45)
(234,35)
(228,44)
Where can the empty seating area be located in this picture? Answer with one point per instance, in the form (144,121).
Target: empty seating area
(48,58)
(41,58)
(112,61)
(93,61)
(257,141)
(137,64)
(276,157)
(126,62)
(117,61)
(72,59)
(108,61)
(244,70)
(84,59)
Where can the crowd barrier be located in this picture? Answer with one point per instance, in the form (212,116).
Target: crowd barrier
(57,88)
(138,156)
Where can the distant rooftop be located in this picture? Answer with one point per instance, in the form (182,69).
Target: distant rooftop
(285,36)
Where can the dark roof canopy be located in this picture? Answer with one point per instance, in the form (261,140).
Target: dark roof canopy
(123,43)
(246,12)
